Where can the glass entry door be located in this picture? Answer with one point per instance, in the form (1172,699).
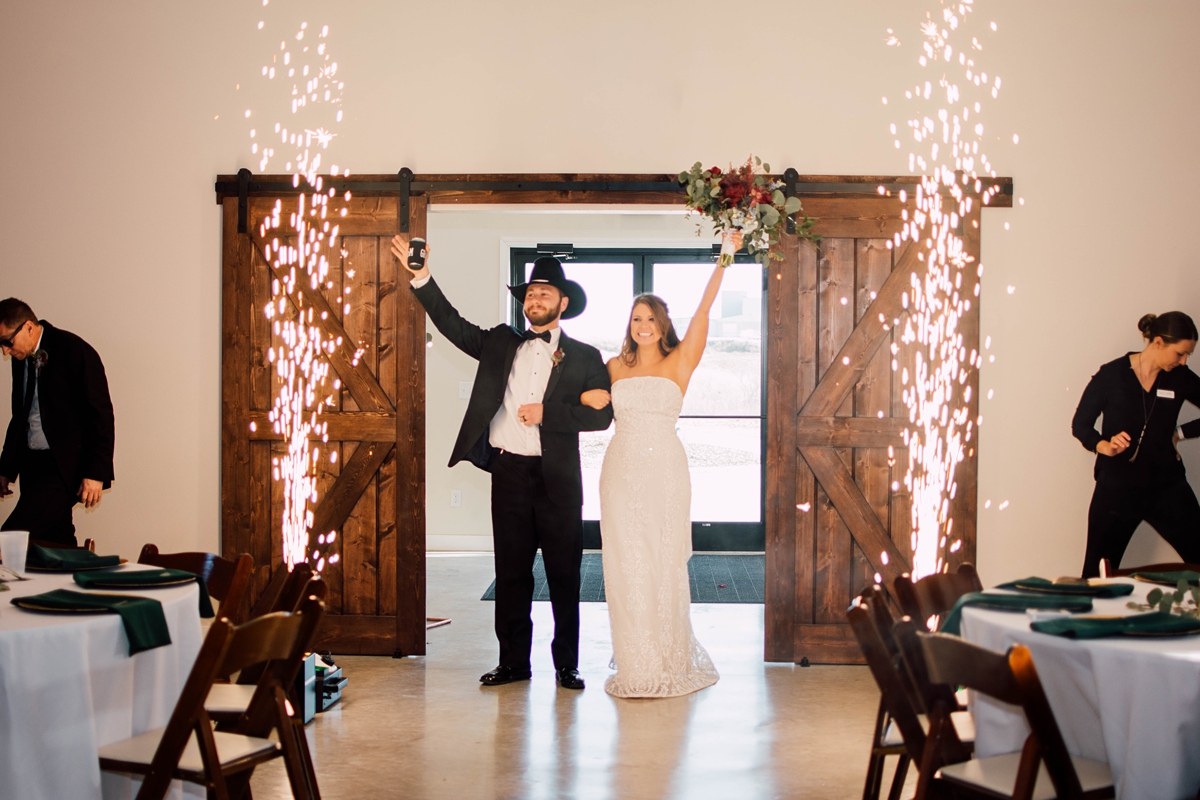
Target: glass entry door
(721,425)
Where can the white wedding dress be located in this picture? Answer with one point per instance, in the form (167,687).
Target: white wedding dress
(646,527)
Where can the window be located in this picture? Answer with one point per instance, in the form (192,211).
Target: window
(721,425)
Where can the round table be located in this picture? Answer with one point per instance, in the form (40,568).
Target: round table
(68,686)
(1134,703)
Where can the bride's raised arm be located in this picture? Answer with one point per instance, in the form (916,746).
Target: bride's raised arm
(691,347)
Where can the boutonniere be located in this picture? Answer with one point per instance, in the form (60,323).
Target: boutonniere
(558,356)
(40,357)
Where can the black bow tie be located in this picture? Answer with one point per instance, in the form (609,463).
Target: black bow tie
(544,336)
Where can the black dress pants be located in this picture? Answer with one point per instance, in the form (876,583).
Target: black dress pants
(44,508)
(1118,508)
(525,517)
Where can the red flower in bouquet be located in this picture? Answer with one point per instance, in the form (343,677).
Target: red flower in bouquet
(733,190)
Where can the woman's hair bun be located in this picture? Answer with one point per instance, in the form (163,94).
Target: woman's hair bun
(1146,324)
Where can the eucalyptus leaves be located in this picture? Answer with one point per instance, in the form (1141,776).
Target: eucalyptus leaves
(1184,601)
(748,200)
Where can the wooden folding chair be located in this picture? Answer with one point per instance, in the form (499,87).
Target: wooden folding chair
(1109,570)
(283,591)
(226,580)
(223,760)
(1042,769)
(935,594)
(884,654)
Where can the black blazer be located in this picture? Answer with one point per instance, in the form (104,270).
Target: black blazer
(77,414)
(563,416)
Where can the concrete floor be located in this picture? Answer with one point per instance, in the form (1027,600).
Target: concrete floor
(426,728)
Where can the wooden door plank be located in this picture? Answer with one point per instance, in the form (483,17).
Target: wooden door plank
(850,431)
(835,313)
(360,257)
(847,367)
(854,509)
(356,472)
(780,490)
(387,499)
(872,399)
(410,459)
(805,525)
(236,485)
(964,507)
(345,426)
(355,375)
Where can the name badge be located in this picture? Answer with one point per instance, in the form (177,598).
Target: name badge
(1167,393)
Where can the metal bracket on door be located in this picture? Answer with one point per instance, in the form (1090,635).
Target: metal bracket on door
(791,178)
(243,180)
(405,176)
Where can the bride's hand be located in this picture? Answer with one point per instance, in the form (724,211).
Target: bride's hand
(731,240)
(595,398)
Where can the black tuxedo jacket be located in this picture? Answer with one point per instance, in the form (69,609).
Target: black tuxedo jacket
(563,416)
(77,414)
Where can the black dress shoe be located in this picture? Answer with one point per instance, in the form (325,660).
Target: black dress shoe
(568,678)
(502,675)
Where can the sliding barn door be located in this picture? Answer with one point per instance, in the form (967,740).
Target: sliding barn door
(371,479)
(838,513)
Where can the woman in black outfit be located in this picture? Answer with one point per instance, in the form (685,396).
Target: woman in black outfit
(1139,474)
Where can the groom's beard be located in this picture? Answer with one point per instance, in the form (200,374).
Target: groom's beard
(542,318)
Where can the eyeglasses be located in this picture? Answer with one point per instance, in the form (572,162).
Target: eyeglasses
(7,341)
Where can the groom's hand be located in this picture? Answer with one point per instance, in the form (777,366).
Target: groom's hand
(530,414)
(400,251)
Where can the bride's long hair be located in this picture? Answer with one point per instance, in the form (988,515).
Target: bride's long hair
(668,339)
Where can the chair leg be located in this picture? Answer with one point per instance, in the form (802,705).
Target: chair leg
(310,774)
(299,772)
(875,764)
(898,777)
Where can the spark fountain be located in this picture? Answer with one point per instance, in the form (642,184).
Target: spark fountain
(297,244)
(947,129)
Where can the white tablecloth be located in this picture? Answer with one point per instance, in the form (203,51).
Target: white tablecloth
(68,686)
(1134,703)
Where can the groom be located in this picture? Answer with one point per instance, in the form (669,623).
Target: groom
(522,425)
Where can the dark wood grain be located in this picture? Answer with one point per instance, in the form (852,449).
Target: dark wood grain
(808,288)
(780,489)
(355,375)
(235,387)
(872,401)
(346,426)
(862,432)
(846,368)
(410,460)
(860,518)
(387,497)
(357,471)
(833,541)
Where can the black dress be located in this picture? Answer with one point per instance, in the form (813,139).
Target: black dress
(1147,481)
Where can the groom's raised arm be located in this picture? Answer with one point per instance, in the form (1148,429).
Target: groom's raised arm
(572,416)
(466,336)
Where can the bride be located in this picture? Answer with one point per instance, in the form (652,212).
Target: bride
(645,504)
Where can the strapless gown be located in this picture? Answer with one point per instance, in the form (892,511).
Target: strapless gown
(646,526)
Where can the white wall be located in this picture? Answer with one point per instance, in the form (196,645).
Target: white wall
(109,147)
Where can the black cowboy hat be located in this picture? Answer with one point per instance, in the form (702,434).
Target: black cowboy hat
(548,269)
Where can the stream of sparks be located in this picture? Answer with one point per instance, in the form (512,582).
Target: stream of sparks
(948,133)
(296,243)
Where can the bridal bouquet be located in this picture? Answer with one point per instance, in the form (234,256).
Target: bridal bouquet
(745,200)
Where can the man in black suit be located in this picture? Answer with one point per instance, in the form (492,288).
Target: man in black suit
(60,438)
(522,425)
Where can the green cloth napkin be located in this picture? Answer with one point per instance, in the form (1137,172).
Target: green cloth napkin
(105,579)
(1012,602)
(1171,578)
(1040,585)
(40,557)
(145,625)
(1153,624)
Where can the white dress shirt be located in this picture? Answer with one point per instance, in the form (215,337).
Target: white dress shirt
(526,384)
